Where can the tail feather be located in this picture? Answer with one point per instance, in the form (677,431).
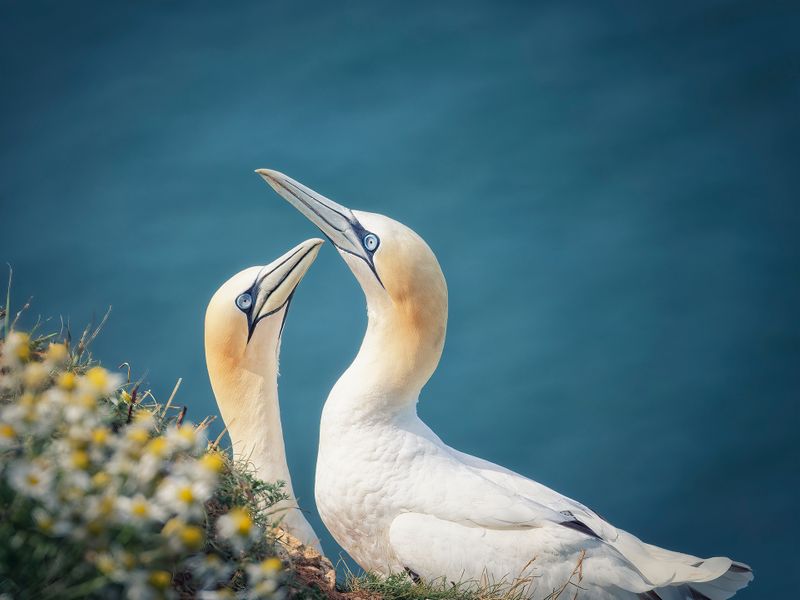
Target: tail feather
(721,588)
(725,586)
(677,576)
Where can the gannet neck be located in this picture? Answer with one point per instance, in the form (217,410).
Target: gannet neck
(247,396)
(404,338)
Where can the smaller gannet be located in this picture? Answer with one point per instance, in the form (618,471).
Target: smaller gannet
(397,498)
(244,323)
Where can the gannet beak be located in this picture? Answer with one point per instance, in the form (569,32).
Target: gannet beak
(275,284)
(337,222)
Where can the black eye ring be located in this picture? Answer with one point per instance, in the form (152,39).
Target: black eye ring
(244,301)
(371,242)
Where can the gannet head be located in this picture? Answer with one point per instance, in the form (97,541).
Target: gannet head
(405,289)
(245,317)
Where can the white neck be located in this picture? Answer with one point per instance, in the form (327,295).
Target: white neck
(255,428)
(247,396)
(398,355)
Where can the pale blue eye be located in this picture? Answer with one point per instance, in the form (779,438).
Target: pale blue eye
(371,242)
(244,301)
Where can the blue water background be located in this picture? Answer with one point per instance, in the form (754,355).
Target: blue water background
(611,189)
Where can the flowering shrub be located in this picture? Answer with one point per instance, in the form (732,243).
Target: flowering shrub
(105,495)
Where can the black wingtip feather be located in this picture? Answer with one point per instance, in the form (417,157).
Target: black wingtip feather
(582,527)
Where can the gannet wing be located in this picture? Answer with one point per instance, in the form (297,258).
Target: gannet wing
(538,492)
(537,561)
(658,565)
(452,491)
(467,491)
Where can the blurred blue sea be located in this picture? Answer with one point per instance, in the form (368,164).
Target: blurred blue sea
(611,189)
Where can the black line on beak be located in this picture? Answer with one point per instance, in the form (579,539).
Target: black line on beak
(354,224)
(254,289)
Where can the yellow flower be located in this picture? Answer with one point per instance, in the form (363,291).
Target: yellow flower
(185,494)
(172,526)
(242,521)
(157,447)
(95,527)
(192,537)
(160,579)
(67,381)
(139,507)
(105,564)
(187,434)
(7,431)
(140,436)
(101,479)
(143,417)
(128,560)
(107,506)
(212,461)
(87,401)
(23,343)
(80,460)
(35,376)
(57,354)
(98,377)
(27,400)
(126,397)
(100,436)
(45,523)
(271,565)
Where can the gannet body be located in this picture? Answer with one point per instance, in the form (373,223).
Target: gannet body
(244,323)
(397,498)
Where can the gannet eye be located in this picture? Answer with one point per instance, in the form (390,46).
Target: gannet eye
(244,301)
(371,242)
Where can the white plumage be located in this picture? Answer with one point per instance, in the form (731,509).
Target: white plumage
(397,498)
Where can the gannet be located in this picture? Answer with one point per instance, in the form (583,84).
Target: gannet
(243,327)
(397,498)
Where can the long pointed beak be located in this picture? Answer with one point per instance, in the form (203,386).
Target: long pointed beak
(334,220)
(275,283)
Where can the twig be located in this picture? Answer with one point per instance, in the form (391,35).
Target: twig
(8,298)
(172,396)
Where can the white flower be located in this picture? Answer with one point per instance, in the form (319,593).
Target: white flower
(9,435)
(100,382)
(148,585)
(182,535)
(48,412)
(184,496)
(100,509)
(14,415)
(35,376)
(16,349)
(9,381)
(208,569)
(204,470)
(117,563)
(34,479)
(265,571)
(185,437)
(57,355)
(237,528)
(139,509)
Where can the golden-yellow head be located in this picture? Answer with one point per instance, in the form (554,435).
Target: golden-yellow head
(401,278)
(245,317)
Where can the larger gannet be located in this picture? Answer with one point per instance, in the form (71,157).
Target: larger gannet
(244,323)
(397,498)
